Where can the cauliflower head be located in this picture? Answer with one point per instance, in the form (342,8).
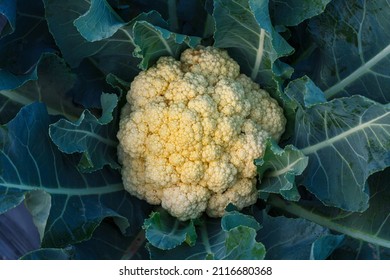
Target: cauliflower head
(190,131)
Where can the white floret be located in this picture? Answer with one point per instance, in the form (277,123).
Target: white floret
(190,132)
(185,202)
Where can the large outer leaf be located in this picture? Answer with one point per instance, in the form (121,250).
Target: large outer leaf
(29,161)
(93,137)
(244,28)
(53,84)
(346,141)
(293,12)
(293,239)
(49,254)
(372,226)
(354,42)
(7,17)
(21,50)
(111,54)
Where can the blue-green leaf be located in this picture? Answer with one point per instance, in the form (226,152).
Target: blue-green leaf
(109,243)
(50,254)
(93,137)
(145,36)
(354,49)
(110,55)
(7,17)
(323,247)
(304,92)
(346,141)
(53,84)
(154,41)
(99,22)
(22,49)
(235,219)
(293,12)
(288,238)
(371,227)
(166,232)
(278,168)
(244,28)
(231,241)
(29,162)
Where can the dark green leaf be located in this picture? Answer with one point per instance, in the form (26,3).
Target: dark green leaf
(53,84)
(244,28)
(99,22)
(110,55)
(22,49)
(278,168)
(325,245)
(371,227)
(153,42)
(346,141)
(79,202)
(49,254)
(293,12)
(304,92)
(166,232)
(235,219)
(288,238)
(7,17)
(215,242)
(94,138)
(354,42)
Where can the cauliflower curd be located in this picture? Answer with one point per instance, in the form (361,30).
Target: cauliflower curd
(190,132)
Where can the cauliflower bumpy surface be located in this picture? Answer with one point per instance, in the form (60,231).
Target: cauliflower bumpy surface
(190,132)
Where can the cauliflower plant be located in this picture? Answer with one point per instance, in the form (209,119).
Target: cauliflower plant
(190,132)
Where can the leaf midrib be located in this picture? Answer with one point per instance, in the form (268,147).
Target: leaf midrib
(362,70)
(299,211)
(110,188)
(330,141)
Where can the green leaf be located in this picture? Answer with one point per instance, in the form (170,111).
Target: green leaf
(38,204)
(153,42)
(110,55)
(346,141)
(371,226)
(145,36)
(241,245)
(278,168)
(99,22)
(290,238)
(7,17)
(324,246)
(244,28)
(216,242)
(52,84)
(354,49)
(49,254)
(109,243)
(235,219)
(293,12)
(27,40)
(166,232)
(30,162)
(304,92)
(94,138)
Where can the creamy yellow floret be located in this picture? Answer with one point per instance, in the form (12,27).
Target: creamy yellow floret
(190,132)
